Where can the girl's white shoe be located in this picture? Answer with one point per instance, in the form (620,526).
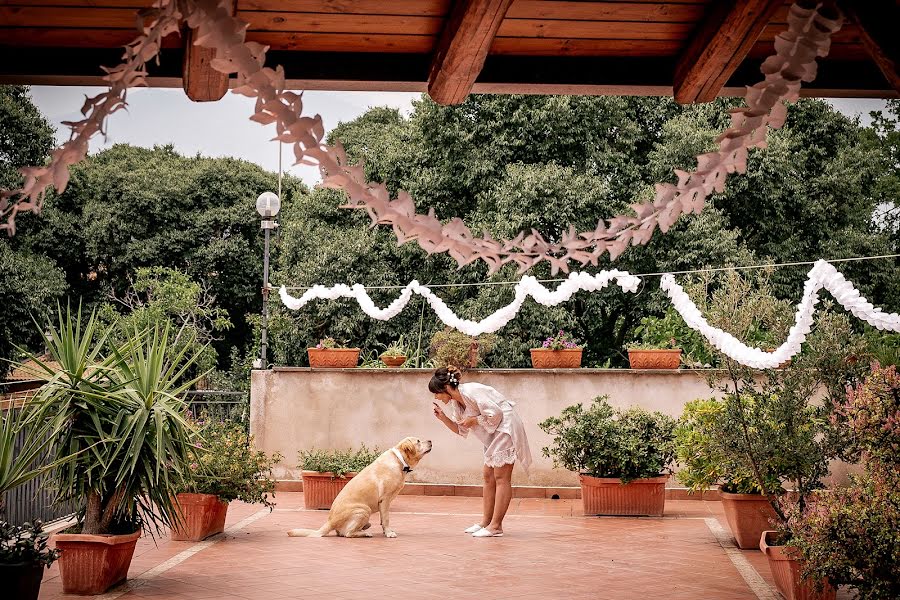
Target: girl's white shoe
(485,532)
(474,528)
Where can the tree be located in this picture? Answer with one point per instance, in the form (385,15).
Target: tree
(30,284)
(126,208)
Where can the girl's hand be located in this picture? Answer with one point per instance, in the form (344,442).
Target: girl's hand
(469,422)
(438,411)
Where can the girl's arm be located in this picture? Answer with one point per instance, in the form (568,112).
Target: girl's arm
(447,421)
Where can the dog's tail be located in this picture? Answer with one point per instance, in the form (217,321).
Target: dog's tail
(320,532)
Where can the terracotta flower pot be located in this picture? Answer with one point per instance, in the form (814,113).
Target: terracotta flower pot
(748,516)
(202,515)
(786,572)
(333,358)
(639,358)
(320,489)
(22,580)
(393,361)
(544,358)
(607,496)
(91,564)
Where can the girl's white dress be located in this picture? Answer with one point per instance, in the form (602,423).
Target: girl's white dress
(499,427)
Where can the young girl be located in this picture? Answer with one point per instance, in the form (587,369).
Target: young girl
(485,412)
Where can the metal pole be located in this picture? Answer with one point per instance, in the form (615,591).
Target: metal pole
(265,294)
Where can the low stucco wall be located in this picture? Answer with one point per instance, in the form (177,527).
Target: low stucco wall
(294,408)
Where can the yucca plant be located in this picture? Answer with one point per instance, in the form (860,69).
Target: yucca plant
(119,414)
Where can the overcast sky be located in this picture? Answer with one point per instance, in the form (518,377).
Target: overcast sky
(167,116)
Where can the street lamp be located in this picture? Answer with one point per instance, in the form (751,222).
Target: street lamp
(267,205)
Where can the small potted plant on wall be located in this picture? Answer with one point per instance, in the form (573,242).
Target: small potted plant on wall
(224,467)
(395,354)
(703,432)
(623,457)
(559,351)
(330,354)
(116,409)
(326,472)
(452,347)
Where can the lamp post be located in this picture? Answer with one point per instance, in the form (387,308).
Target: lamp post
(267,205)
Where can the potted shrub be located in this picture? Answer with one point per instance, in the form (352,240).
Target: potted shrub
(699,449)
(849,536)
(326,472)
(23,549)
(452,347)
(622,457)
(224,467)
(120,416)
(395,354)
(329,354)
(559,351)
(23,556)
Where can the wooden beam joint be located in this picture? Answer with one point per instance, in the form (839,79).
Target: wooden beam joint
(719,46)
(878,21)
(463,47)
(200,81)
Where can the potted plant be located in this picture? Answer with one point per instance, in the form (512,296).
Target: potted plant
(117,411)
(224,467)
(23,549)
(452,347)
(395,354)
(326,472)
(559,351)
(623,457)
(329,354)
(23,556)
(849,535)
(700,448)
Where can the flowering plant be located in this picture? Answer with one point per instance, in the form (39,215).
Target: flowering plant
(329,343)
(560,341)
(224,463)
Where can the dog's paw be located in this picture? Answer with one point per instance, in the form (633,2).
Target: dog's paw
(390,534)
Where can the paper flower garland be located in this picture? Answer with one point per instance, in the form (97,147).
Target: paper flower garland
(822,275)
(807,37)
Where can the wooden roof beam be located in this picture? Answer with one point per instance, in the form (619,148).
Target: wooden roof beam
(463,47)
(200,81)
(719,46)
(877,22)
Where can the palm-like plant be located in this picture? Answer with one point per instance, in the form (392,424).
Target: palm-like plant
(120,416)
(17,460)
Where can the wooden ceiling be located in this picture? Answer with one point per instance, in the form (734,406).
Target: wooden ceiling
(694,49)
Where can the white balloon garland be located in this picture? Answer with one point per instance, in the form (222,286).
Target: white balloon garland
(822,275)
(527,286)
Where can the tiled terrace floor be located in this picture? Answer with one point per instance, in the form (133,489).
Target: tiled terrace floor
(549,551)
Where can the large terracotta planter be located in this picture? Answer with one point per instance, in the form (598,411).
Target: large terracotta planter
(639,497)
(91,564)
(22,580)
(654,359)
(748,516)
(202,515)
(333,358)
(786,572)
(320,489)
(393,361)
(543,358)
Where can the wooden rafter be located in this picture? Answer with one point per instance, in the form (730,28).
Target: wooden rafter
(877,22)
(463,47)
(720,44)
(200,81)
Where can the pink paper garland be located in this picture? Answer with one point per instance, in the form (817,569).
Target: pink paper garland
(808,36)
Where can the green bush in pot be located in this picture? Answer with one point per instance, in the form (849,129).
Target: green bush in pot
(337,462)
(605,442)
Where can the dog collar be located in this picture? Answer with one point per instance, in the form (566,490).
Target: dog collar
(406,468)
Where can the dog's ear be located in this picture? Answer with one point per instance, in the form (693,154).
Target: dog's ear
(408,448)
